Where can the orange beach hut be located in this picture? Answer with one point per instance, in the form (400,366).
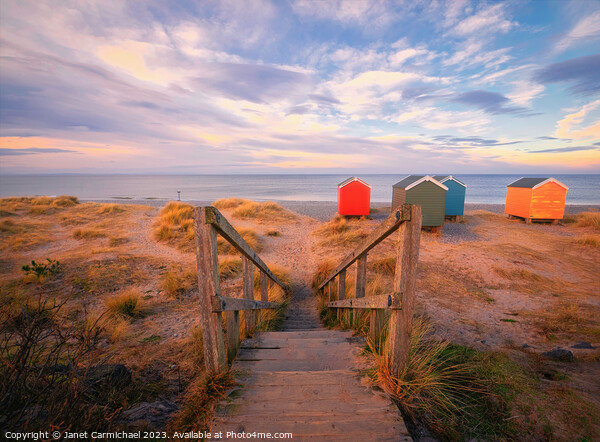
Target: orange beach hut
(536,199)
(354,197)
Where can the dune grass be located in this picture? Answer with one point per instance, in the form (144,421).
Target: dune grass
(175,225)
(21,235)
(267,211)
(176,281)
(383,266)
(228,203)
(126,304)
(589,219)
(282,273)
(229,267)
(589,240)
(341,232)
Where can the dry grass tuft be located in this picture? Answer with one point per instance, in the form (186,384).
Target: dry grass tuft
(110,209)
(229,267)
(249,235)
(589,240)
(175,282)
(229,203)
(281,272)
(88,234)
(175,225)
(324,268)
(267,211)
(383,266)
(273,233)
(564,318)
(127,304)
(200,400)
(19,234)
(341,232)
(589,219)
(457,392)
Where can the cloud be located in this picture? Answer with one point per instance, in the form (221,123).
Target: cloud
(376,13)
(472,141)
(524,92)
(488,20)
(256,83)
(582,71)
(565,149)
(490,102)
(32,151)
(568,126)
(587,30)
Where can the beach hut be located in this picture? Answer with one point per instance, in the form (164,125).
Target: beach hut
(455,197)
(426,192)
(540,199)
(354,197)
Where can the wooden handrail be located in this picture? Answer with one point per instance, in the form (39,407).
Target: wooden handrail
(385,229)
(208,221)
(226,230)
(400,303)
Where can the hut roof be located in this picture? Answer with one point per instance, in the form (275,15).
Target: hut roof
(351,179)
(414,180)
(443,178)
(532,183)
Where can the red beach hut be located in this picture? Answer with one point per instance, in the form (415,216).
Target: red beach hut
(354,197)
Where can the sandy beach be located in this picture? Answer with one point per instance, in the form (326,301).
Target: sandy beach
(488,283)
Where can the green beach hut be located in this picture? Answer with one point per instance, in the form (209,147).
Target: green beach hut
(455,197)
(426,192)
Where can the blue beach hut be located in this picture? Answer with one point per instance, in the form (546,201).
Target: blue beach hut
(455,197)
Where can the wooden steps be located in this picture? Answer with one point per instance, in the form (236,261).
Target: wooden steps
(306,382)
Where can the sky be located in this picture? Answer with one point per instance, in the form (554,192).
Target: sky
(298,86)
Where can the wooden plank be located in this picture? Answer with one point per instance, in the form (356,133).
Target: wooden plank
(385,229)
(380,301)
(207,262)
(404,284)
(233,334)
(248,292)
(331,295)
(264,286)
(220,223)
(342,285)
(226,304)
(376,324)
(361,277)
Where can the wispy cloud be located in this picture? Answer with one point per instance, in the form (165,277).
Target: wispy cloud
(32,151)
(570,125)
(587,30)
(490,102)
(582,72)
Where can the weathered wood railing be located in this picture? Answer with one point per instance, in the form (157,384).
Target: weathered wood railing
(407,219)
(208,222)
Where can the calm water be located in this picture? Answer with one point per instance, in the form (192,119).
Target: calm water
(583,189)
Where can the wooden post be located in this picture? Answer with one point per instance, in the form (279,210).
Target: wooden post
(207,261)
(360,288)
(248,289)
(341,291)
(264,287)
(361,276)
(404,286)
(233,334)
(376,324)
(331,295)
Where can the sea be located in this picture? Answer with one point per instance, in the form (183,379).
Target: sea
(485,189)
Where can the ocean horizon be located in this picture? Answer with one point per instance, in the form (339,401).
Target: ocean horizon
(481,188)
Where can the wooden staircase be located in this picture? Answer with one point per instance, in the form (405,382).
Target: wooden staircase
(307,383)
(304,382)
